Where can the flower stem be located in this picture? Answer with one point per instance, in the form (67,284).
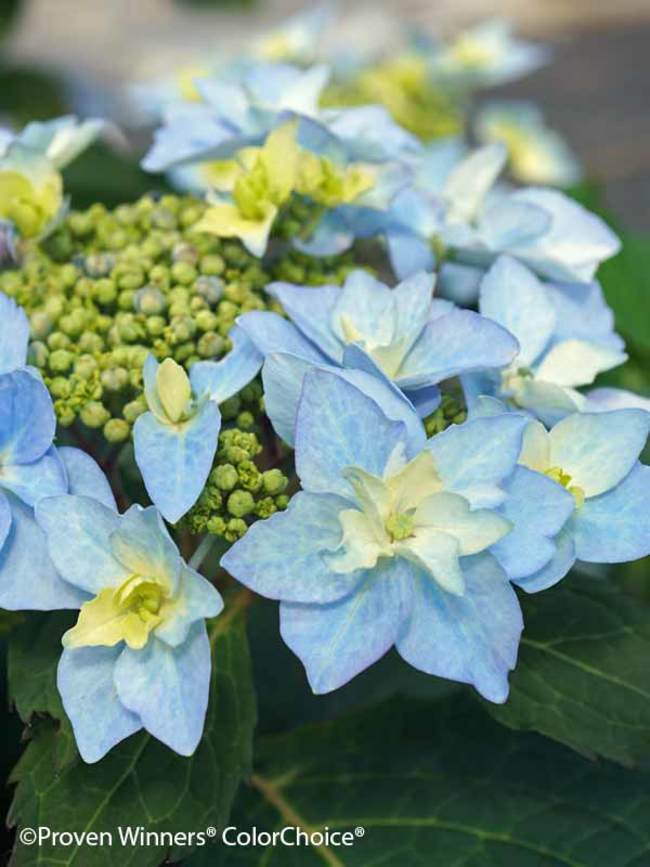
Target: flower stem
(202,551)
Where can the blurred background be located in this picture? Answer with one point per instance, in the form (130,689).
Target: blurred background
(595,91)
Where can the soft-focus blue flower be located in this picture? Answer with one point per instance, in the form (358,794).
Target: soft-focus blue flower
(234,113)
(565,336)
(536,153)
(475,221)
(62,139)
(487,55)
(399,335)
(139,655)
(595,457)
(175,442)
(387,544)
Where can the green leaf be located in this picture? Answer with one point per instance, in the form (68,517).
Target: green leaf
(583,674)
(438,783)
(140,782)
(626,284)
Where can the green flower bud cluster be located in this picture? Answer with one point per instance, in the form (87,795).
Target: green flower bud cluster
(451,411)
(110,286)
(237,491)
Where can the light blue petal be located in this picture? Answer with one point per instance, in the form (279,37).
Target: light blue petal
(557,567)
(367,305)
(538,508)
(331,237)
(409,254)
(474,457)
(425,400)
(281,557)
(27,420)
(615,527)
(85,478)
(143,545)
(338,426)
(168,688)
(512,296)
(469,182)
(99,719)
(45,477)
(78,531)
(14,335)
(582,313)
(599,449)
(576,243)
(283,376)
(28,579)
(150,377)
(310,308)
(458,342)
(175,460)
(191,132)
(459,282)
(221,379)
(370,134)
(413,298)
(507,222)
(337,641)
(608,399)
(271,333)
(5,519)
(197,599)
(472,638)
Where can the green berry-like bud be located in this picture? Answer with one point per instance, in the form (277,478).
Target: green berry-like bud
(38,354)
(235,529)
(274,481)
(210,289)
(85,366)
(184,273)
(60,360)
(40,324)
(212,265)
(150,301)
(210,345)
(155,325)
(240,503)
(115,378)
(225,477)
(58,341)
(216,526)
(117,430)
(282,501)
(94,415)
(105,291)
(245,420)
(60,387)
(134,409)
(206,320)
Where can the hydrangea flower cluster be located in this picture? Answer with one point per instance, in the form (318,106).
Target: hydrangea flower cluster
(389,465)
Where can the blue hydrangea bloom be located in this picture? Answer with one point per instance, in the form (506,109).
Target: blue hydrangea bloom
(30,469)
(400,335)
(478,221)
(565,335)
(61,139)
(176,441)
(139,655)
(387,544)
(595,458)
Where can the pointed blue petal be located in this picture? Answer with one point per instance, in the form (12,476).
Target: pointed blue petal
(85,478)
(337,641)
(458,342)
(271,333)
(78,532)
(14,335)
(198,599)
(615,527)
(45,477)
(409,254)
(333,432)
(143,545)
(27,421)
(310,309)
(99,719)
(512,296)
(557,567)
(474,457)
(168,688)
(281,557)
(472,638)
(538,508)
(221,379)
(175,461)
(28,578)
